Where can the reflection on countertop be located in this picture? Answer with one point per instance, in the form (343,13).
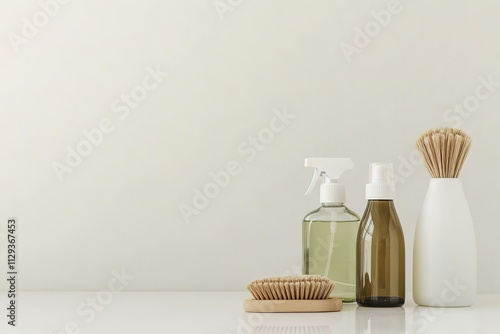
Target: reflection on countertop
(387,320)
(370,320)
(293,330)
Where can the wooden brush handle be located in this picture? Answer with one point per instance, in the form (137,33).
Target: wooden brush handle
(281,306)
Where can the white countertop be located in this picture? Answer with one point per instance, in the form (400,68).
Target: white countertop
(222,313)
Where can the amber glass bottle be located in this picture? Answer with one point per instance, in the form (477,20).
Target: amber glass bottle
(380,247)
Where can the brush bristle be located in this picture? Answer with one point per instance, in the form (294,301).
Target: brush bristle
(291,288)
(444,151)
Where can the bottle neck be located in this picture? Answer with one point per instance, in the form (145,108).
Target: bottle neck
(332,204)
(381,203)
(381,213)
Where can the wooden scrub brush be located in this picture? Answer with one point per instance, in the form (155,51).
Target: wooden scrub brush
(307,293)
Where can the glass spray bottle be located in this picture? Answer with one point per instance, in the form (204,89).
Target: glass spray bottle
(329,232)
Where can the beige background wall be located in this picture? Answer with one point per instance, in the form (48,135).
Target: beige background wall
(181,90)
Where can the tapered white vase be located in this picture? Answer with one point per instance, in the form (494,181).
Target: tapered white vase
(444,250)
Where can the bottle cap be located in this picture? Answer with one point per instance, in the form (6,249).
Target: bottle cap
(381,184)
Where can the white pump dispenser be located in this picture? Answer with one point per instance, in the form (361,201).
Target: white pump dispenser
(381,184)
(331,169)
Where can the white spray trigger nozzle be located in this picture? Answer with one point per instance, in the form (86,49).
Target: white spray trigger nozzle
(331,169)
(316,175)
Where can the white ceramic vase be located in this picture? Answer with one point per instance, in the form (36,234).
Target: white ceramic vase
(444,251)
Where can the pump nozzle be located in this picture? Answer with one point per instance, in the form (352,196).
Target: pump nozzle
(331,169)
(381,185)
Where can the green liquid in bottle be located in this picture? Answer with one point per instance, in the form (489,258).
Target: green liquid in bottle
(329,247)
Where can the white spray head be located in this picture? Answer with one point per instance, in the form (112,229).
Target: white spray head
(381,184)
(330,169)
